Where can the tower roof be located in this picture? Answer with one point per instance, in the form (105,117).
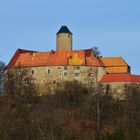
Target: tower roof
(64,29)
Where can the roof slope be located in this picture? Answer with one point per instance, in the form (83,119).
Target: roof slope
(115,65)
(16,56)
(49,58)
(28,58)
(120,78)
(94,61)
(113,61)
(52,58)
(119,69)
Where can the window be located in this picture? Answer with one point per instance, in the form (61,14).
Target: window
(33,72)
(77,68)
(92,83)
(65,67)
(59,67)
(18,72)
(43,81)
(77,74)
(54,82)
(60,74)
(49,71)
(91,74)
(65,74)
(68,35)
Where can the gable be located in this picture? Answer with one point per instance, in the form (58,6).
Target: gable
(16,56)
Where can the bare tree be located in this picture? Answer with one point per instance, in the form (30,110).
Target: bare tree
(18,83)
(96,52)
(2,66)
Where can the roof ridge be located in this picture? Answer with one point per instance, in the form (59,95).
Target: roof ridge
(20,50)
(112,57)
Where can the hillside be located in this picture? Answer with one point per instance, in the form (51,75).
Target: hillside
(73,112)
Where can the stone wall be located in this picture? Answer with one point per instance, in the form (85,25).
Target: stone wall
(101,72)
(88,75)
(116,89)
(48,77)
(64,41)
(57,74)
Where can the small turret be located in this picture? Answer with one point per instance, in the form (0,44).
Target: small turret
(64,39)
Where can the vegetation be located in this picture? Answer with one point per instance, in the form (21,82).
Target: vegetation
(2,66)
(70,113)
(96,52)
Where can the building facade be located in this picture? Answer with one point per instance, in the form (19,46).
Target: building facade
(66,64)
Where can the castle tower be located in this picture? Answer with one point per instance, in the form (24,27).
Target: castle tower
(64,39)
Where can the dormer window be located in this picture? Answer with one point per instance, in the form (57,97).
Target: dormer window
(31,53)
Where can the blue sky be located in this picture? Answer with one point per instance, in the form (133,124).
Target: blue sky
(111,25)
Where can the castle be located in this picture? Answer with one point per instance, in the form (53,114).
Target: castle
(66,64)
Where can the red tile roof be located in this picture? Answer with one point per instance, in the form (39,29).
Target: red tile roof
(15,57)
(28,58)
(115,65)
(47,58)
(120,78)
(94,61)
(25,58)
(113,61)
(115,70)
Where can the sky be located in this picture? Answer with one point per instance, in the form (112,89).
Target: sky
(111,25)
